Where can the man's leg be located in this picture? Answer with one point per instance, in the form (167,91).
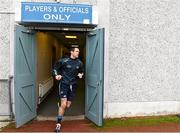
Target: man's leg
(63,96)
(60,114)
(63,92)
(68,104)
(63,106)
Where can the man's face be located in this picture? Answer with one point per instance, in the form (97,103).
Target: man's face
(75,53)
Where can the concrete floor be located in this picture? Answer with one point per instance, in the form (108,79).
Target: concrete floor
(49,108)
(3,124)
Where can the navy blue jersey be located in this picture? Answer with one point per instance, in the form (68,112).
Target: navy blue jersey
(68,68)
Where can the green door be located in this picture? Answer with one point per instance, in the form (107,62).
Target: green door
(94,76)
(24,78)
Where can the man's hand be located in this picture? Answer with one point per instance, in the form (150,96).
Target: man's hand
(58,77)
(80,75)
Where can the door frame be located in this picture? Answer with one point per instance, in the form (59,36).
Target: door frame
(35,54)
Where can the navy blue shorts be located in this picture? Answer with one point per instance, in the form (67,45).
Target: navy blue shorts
(67,91)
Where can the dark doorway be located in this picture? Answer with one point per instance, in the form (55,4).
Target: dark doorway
(59,47)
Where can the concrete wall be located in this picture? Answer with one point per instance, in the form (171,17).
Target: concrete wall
(6,15)
(141,54)
(144,57)
(45,42)
(44,56)
(6,43)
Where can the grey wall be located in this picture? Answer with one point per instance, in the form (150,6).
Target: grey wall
(4,47)
(144,50)
(142,59)
(4,106)
(4,39)
(6,31)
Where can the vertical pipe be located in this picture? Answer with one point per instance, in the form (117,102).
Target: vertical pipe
(10,100)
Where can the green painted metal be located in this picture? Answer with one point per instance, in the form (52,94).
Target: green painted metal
(24,78)
(94,76)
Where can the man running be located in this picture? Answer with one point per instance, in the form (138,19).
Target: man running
(67,70)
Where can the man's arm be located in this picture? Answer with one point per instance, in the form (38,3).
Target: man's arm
(81,70)
(57,67)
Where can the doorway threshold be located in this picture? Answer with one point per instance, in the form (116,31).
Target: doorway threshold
(66,118)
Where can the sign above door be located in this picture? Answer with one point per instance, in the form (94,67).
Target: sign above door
(56,13)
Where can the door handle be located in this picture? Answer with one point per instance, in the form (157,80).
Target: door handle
(98,83)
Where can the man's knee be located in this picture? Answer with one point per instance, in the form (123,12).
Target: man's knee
(63,105)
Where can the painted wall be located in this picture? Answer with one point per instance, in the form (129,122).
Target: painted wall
(144,57)
(6,42)
(141,54)
(45,42)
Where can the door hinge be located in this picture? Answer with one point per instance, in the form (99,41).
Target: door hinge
(28,32)
(91,34)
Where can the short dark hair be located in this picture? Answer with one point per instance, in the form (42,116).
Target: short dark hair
(73,48)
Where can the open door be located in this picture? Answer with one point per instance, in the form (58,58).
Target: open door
(94,76)
(24,78)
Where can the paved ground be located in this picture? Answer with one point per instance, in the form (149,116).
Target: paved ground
(86,126)
(48,126)
(3,124)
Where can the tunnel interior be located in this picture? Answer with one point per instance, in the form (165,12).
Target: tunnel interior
(50,47)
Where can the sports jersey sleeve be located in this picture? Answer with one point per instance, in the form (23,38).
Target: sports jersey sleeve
(57,67)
